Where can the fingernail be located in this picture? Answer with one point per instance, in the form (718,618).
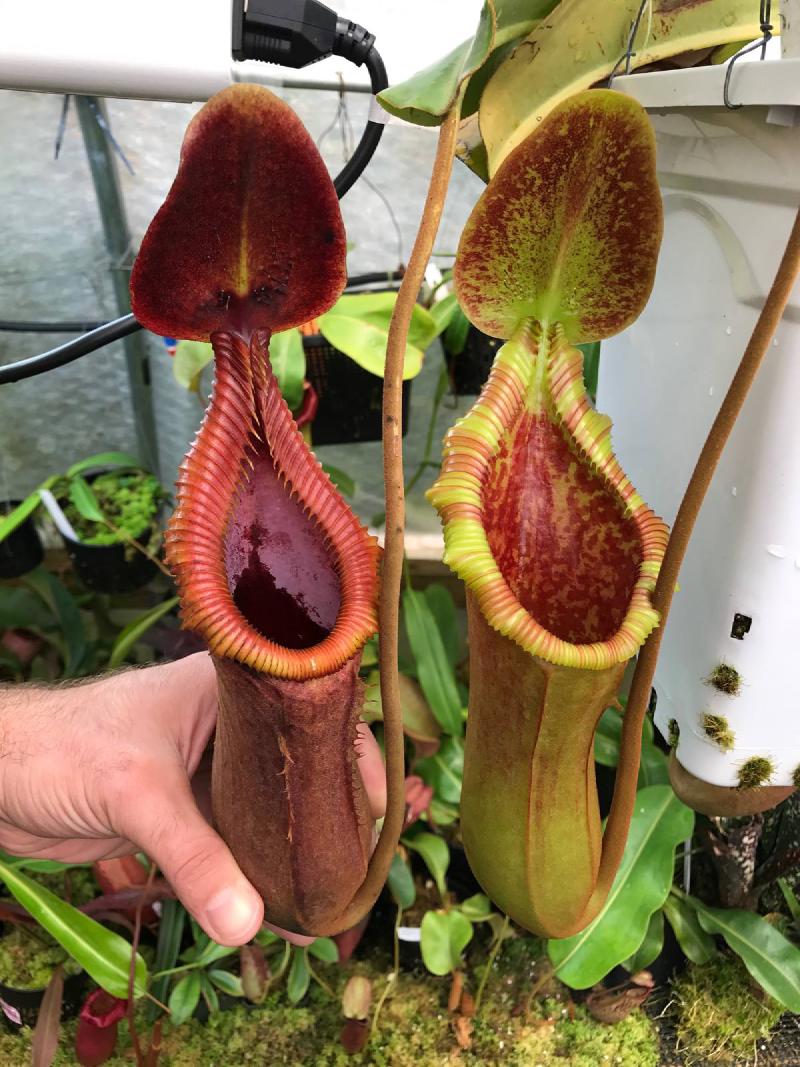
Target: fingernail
(233,916)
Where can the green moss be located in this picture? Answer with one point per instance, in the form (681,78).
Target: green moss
(796,777)
(716,729)
(722,1015)
(673,733)
(28,958)
(415,1028)
(129,499)
(76,885)
(755,772)
(725,679)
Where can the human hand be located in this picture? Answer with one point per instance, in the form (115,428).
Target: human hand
(104,768)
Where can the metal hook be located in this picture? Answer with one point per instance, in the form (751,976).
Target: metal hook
(766,30)
(629,53)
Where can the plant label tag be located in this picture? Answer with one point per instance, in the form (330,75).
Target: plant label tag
(408,933)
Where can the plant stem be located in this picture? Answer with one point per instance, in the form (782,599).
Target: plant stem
(638,699)
(391,981)
(392,571)
(137,930)
(175,970)
(320,981)
(493,951)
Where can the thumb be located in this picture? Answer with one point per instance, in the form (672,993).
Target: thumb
(195,860)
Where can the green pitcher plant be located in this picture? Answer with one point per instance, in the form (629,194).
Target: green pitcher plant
(558,551)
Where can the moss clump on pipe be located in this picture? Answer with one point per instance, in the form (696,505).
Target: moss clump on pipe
(717,730)
(725,679)
(673,733)
(755,772)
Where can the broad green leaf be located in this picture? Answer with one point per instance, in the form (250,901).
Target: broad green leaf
(660,822)
(476,908)
(104,955)
(427,96)
(401,883)
(227,983)
(607,738)
(104,459)
(15,518)
(136,629)
(22,608)
(443,609)
(212,952)
(288,361)
(299,976)
(696,944)
(23,863)
(444,770)
(770,958)
(569,228)
(82,496)
(650,947)
(419,722)
(184,998)
(435,853)
(190,360)
(653,766)
(61,602)
(443,937)
(358,325)
(441,813)
(170,932)
(342,480)
(324,948)
(443,311)
(434,668)
(790,897)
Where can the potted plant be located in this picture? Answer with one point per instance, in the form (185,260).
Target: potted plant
(106,509)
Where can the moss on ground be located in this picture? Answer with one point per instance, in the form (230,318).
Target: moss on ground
(415,1029)
(129,499)
(28,958)
(722,1014)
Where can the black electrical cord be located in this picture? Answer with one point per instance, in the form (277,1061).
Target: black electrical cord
(122,327)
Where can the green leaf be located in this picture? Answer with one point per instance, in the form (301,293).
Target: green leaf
(435,853)
(653,766)
(607,738)
(135,630)
(770,958)
(696,944)
(209,992)
(650,948)
(170,932)
(790,897)
(184,998)
(299,976)
(477,908)
(444,770)
(443,937)
(190,360)
(22,608)
(434,668)
(443,311)
(287,358)
(23,863)
(443,609)
(324,948)
(358,325)
(104,955)
(419,722)
(341,479)
(81,495)
(401,883)
(15,518)
(227,983)
(212,952)
(104,459)
(61,602)
(591,367)
(455,336)
(442,814)
(660,822)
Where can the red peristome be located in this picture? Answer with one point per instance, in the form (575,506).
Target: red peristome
(273,568)
(250,235)
(561,539)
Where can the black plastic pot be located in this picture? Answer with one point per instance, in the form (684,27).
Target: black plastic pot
(109,568)
(22,550)
(350,397)
(470,368)
(21,1006)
